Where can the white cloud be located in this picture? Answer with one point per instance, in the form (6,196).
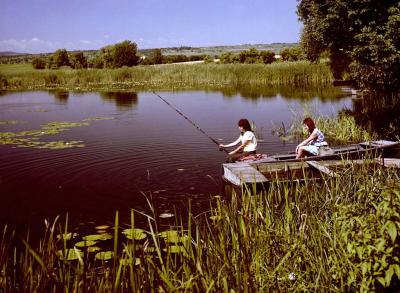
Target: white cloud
(36,45)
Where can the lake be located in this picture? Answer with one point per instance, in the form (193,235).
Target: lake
(132,146)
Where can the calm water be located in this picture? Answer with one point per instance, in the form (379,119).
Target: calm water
(146,149)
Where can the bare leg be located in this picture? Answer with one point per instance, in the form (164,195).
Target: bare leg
(301,153)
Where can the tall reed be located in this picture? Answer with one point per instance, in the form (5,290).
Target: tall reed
(335,235)
(170,76)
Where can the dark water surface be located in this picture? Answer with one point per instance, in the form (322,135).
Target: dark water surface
(146,149)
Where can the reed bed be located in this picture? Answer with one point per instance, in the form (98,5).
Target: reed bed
(338,130)
(172,76)
(335,235)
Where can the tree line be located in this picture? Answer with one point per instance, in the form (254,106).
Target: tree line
(126,54)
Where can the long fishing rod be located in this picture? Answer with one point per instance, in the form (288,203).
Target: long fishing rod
(190,121)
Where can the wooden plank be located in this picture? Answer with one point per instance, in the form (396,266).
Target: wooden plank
(321,168)
(379,143)
(242,174)
(389,162)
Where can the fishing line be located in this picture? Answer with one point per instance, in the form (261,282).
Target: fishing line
(190,121)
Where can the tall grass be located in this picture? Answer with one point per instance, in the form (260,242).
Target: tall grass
(338,235)
(340,129)
(170,76)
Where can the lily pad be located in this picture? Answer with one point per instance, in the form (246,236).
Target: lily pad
(137,234)
(176,249)
(104,255)
(85,243)
(69,254)
(97,237)
(93,249)
(67,236)
(102,227)
(127,262)
(166,215)
(97,118)
(9,122)
(174,237)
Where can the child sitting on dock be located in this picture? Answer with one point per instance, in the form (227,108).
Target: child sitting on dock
(247,139)
(315,140)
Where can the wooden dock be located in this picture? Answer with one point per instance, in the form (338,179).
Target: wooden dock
(266,172)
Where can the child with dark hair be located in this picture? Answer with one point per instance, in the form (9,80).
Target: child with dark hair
(315,139)
(247,140)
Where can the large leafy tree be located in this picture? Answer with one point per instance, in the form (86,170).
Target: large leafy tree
(124,54)
(78,60)
(60,58)
(361,36)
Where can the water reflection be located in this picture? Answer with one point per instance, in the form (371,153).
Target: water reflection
(60,96)
(380,115)
(123,100)
(290,93)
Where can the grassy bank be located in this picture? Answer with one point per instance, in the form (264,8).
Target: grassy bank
(24,77)
(337,235)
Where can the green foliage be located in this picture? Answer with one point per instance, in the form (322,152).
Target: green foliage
(361,36)
(226,58)
(116,56)
(78,60)
(218,76)
(96,62)
(336,235)
(124,54)
(38,63)
(157,56)
(338,130)
(371,239)
(208,59)
(176,58)
(60,58)
(292,54)
(255,56)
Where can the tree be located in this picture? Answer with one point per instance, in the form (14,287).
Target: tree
(226,58)
(291,54)
(96,62)
(362,38)
(124,54)
(38,63)
(60,58)
(157,56)
(78,60)
(267,56)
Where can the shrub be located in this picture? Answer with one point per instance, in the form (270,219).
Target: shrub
(38,63)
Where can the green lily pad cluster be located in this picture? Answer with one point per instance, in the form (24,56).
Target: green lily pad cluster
(135,234)
(70,254)
(176,242)
(9,122)
(31,138)
(97,118)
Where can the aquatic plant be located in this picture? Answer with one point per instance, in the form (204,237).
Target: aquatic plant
(336,235)
(340,129)
(30,138)
(174,76)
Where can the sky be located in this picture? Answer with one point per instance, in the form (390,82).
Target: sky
(43,26)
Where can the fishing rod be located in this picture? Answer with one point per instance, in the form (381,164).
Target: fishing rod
(190,121)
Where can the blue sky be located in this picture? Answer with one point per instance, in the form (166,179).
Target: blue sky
(34,26)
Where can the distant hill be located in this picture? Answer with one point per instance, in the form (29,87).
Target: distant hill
(9,53)
(218,50)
